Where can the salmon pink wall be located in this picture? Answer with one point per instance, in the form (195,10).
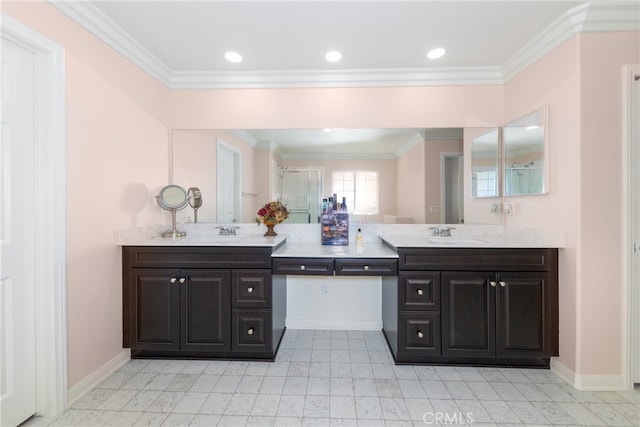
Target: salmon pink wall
(117,151)
(428,106)
(581,83)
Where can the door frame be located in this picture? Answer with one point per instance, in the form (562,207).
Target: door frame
(237,178)
(50,216)
(631,231)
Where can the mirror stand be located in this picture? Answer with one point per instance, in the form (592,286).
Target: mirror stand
(173,233)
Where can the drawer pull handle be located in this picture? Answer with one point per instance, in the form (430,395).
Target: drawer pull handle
(173,280)
(182,280)
(420,334)
(302,267)
(250,331)
(493,284)
(366,268)
(503,284)
(420,292)
(250,289)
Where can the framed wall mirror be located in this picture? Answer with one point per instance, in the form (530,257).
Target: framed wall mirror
(525,155)
(485,165)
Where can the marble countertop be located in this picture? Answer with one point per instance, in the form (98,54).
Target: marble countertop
(195,239)
(519,239)
(315,250)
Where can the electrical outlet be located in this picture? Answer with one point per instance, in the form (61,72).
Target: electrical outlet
(434,209)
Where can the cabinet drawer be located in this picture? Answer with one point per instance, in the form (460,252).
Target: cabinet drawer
(251,331)
(366,267)
(481,259)
(303,266)
(418,290)
(419,333)
(251,288)
(196,257)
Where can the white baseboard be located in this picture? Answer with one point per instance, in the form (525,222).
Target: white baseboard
(354,325)
(588,382)
(98,376)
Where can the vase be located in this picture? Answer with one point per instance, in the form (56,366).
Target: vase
(270,231)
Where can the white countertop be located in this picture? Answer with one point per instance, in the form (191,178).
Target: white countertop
(153,238)
(316,250)
(303,240)
(516,239)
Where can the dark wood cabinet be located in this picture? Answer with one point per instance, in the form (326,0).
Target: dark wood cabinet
(473,306)
(201,310)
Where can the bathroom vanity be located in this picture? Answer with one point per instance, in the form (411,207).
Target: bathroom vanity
(443,301)
(479,306)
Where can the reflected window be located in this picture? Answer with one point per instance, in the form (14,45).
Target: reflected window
(360,189)
(484,183)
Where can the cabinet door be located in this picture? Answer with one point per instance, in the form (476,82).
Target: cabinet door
(154,309)
(468,314)
(206,310)
(520,315)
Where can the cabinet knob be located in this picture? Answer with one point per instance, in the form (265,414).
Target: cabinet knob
(493,284)
(503,284)
(420,334)
(250,289)
(182,280)
(173,280)
(302,267)
(250,331)
(420,292)
(366,268)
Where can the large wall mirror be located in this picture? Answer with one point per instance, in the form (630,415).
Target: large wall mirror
(420,171)
(525,155)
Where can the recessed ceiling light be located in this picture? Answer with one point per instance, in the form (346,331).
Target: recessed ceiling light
(333,56)
(532,127)
(436,53)
(233,57)
(327,130)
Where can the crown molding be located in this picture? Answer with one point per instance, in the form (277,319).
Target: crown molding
(336,78)
(603,16)
(245,137)
(595,16)
(338,156)
(100,25)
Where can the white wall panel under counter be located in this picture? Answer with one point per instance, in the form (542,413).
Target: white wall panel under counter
(334,302)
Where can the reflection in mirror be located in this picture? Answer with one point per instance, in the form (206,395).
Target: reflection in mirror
(485,165)
(525,155)
(411,167)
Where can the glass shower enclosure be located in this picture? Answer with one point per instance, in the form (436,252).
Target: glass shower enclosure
(301,190)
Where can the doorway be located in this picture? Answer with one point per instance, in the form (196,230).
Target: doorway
(46,154)
(452,188)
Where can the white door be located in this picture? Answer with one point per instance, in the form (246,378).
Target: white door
(228,167)
(17,278)
(634,215)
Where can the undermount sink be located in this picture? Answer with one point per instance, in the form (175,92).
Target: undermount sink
(454,240)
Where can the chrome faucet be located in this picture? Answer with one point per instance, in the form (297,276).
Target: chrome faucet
(227,230)
(442,231)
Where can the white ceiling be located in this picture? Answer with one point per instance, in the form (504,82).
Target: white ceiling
(182,43)
(383,42)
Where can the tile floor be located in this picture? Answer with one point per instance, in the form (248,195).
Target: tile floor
(344,378)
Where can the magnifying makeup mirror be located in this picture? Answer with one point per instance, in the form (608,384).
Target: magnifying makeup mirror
(173,198)
(195,201)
